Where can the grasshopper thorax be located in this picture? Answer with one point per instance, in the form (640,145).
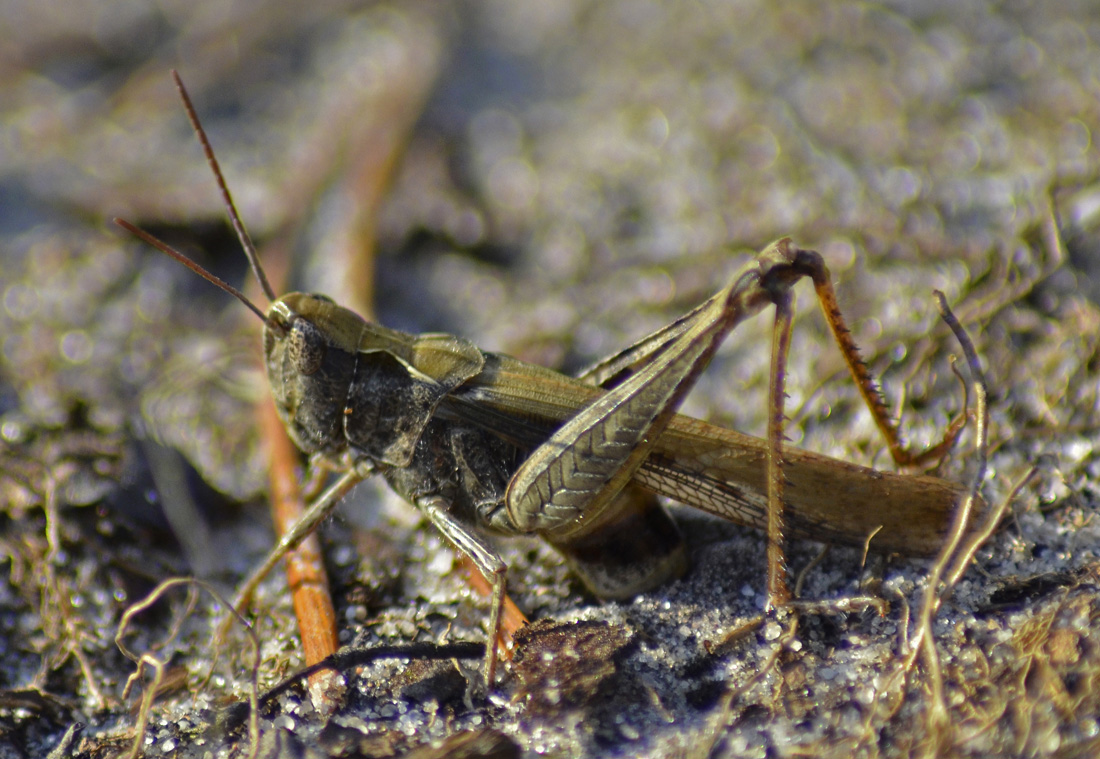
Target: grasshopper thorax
(341,381)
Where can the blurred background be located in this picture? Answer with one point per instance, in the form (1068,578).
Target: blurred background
(549,178)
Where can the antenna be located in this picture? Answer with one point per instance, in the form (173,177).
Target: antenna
(230,207)
(234,218)
(218,281)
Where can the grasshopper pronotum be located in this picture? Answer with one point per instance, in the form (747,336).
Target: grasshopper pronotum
(481,441)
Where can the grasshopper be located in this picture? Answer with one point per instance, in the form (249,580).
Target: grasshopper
(481,442)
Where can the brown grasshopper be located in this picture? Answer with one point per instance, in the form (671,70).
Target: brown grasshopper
(483,442)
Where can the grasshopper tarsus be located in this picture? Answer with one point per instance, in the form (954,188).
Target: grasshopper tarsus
(480,441)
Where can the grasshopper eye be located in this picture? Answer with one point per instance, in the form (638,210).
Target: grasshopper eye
(306,346)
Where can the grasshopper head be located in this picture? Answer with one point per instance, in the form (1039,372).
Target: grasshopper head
(310,347)
(337,379)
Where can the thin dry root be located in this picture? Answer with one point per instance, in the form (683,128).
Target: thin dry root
(150,661)
(720,723)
